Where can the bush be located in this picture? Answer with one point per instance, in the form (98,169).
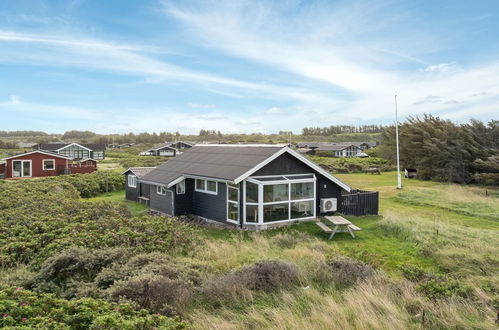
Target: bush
(347,272)
(39,218)
(435,285)
(93,184)
(26,309)
(413,273)
(239,286)
(155,293)
(441,286)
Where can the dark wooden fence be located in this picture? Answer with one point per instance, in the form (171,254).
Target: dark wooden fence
(360,202)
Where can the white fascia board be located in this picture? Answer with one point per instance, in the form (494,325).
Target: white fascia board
(260,165)
(38,151)
(74,144)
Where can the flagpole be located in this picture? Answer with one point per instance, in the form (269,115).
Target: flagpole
(399,178)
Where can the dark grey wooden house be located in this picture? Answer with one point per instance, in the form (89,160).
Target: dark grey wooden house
(136,190)
(75,150)
(246,185)
(164,150)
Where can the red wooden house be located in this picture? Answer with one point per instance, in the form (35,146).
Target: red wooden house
(40,163)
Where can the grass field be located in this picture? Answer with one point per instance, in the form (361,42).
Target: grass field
(119,197)
(444,229)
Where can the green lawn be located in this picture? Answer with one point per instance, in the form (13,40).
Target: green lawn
(119,196)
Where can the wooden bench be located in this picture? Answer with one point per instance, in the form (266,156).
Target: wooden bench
(324,227)
(353,227)
(143,200)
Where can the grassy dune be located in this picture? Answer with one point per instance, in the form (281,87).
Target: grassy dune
(446,229)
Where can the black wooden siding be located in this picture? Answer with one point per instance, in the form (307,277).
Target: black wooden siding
(284,164)
(162,203)
(326,189)
(183,202)
(132,194)
(360,203)
(209,206)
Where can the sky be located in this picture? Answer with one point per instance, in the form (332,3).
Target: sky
(236,66)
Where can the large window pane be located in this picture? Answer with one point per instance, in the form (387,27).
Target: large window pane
(275,193)
(233,211)
(302,190)
(211,186)
(302,209)
(17,168)
(26,168)
(252,213)
(233,194)
(275,212)
(251,192)
(200,184)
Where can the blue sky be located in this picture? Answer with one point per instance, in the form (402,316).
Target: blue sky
(243,66)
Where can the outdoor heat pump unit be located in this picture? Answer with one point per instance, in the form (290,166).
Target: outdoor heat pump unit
(329,205)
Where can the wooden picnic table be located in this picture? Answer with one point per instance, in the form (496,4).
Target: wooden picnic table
(341,225)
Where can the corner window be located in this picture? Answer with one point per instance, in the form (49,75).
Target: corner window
(132,181)
(181,187)
(206,186)
(48,164)
(161,190)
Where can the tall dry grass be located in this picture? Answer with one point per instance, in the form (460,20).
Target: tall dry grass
(316,303)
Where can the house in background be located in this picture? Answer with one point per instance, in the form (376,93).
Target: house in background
(136,190)
(339,149)
(170,149)
(253,186)
(75,150)
(39,163)
(164,150)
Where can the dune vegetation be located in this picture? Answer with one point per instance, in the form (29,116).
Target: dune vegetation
(430,260)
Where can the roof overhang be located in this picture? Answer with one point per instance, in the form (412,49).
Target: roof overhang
(73,144)
(39,152)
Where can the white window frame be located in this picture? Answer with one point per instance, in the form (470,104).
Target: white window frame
(181,188)
(44,166)
(230,186)
(132,181)
(205,190)
(22,168)
(288,180)
(161,190)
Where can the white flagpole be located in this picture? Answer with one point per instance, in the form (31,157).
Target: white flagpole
(399,178)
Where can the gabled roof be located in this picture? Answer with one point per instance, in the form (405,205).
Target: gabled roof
(51,154)
(232,163)
(139,171)
(59,146)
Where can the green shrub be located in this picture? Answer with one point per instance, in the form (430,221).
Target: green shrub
(441,286)
(435,285)
(238,286)
(39,218)
(25,309)
(142,161)
(347,272)
(155,293)
(413,273)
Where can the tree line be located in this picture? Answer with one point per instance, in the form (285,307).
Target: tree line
(445,151)
(342,129)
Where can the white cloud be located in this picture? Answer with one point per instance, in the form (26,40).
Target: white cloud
(13,100)
(325,43)
(201,106)
(274,110)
